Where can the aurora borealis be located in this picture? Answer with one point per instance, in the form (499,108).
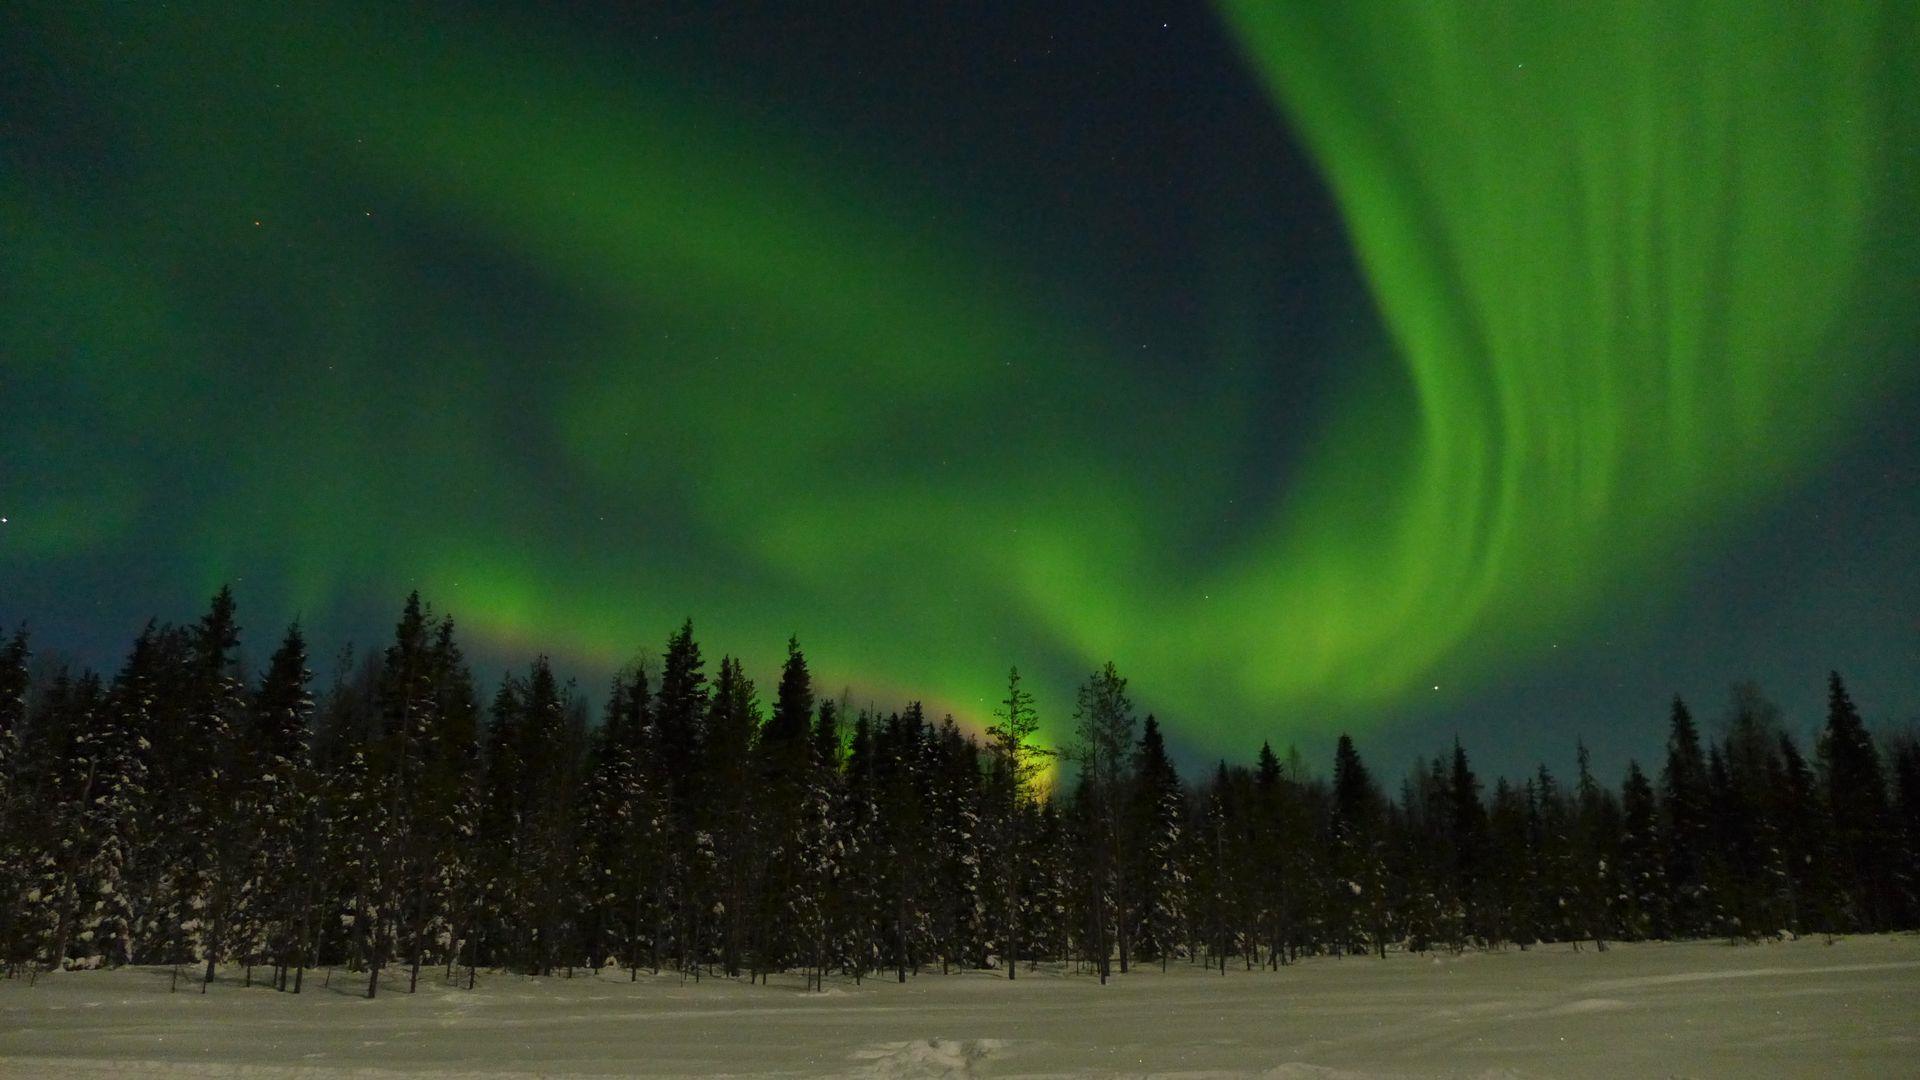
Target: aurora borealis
(1299,358)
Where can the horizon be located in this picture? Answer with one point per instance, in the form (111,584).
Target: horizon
(1392,754)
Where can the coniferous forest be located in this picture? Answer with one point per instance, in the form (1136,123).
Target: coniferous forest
(402,823)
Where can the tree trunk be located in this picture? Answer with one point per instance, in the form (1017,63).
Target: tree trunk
(377,961)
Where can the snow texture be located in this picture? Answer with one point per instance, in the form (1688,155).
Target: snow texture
(1800,1008)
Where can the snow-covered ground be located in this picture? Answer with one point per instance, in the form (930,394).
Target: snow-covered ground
(1798,1009)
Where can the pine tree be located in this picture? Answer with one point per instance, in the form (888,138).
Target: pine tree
(603,822)
(641,789)
(89,854)
(1747,817)
(544,802)
(1686,824)
(1806,842)
(1511,915)
(357,816)
(1546,851)
(680,718)
(1421,875)
(1906,804)
(727,823)
(621,849)
(1018,763)
(1357,846)
(1157,811)
(819,859)
(679,723)
(465,883)
(1595,852)
(282,715)
(1103,726)
(216,824)
(783,760)
(118,750)
(403,763)
(1263,848)
(1642,878)
(858,899)
(13,710)
(1046,916)
(172,817)
(907,882)
(1216,861)
(15,852)
(1467,840)
(446,804)
(500,888)
(1861,817)
(953,805)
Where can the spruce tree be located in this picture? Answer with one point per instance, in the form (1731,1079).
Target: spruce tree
(13,709)
(953,805)
(1560,897)
(1157,812)
(813,902)
(1747,816)
(1861,817)
(1216,863)
(217,770)
(1806,840)
(679,723)
(1018,763)
(859,899)
(1357,845)
(15,852)
(906,883)
(1595,852)
(1263,844)
(1906,805)
(282,716)
(1467,836)
(729,833)
(1685,825)
(446,803)
(499,892)
(544,802)
(680,718)
(623,829)
(1642,877)
(402,765)
(1103,728)
(783,758)
(119,751)
(60,776)
(602,821)
(1512,913)
(172,817)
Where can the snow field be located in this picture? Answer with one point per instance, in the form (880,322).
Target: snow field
(1802,1008)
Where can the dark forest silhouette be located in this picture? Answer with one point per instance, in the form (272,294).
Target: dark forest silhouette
(183,814)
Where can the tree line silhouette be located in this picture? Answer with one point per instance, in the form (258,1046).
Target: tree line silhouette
(185,814)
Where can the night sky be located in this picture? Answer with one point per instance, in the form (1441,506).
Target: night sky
(1376,368)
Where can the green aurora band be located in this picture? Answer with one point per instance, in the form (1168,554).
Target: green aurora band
(1621,249)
